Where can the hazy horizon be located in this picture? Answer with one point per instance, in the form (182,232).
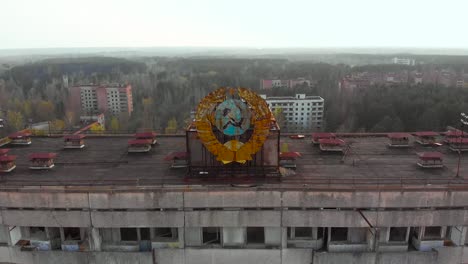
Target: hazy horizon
(302,24)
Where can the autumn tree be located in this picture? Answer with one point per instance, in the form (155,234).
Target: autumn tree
(96,128)
(15,120)
(45,110)
(171,126)
(69,119)
(148,112)
(279,116)
(57,125)
(114,124)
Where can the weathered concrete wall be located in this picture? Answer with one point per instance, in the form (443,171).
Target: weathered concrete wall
(376,258)
(134,200)
(48,218)
(230,198)
(422,218)
(232,256)
(138,219)
(35,199)
(233,218)
(14,255)
(326,218)
(331,199)
(223,199)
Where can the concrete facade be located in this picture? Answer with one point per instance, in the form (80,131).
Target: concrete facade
(214,212)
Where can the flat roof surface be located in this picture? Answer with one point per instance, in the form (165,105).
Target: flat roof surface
(105,162)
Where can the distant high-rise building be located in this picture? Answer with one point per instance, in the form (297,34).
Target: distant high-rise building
(269,84)
(92,99)
(301,113)
(403,61)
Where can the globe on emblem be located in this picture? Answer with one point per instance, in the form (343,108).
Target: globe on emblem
(232,117)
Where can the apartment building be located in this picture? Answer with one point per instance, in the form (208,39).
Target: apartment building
(403,61)
(301,113)
(93,99)
(269,84)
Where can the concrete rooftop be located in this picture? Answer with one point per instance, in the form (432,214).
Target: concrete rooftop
(105,162)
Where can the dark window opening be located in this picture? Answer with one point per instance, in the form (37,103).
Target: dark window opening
(128,234)
(339,234)
(145,234)
(432,232)
(165,232)
(303,232)
(72,233)
(320,232)
(37,229)
(397,234)
(211,235)
(255,235)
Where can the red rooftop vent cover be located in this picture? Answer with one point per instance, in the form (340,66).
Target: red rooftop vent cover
(176,155)
(145,135)
(134,142)
(458,140)
(289,155)
(321,135)
(331,141)
(456,133)
(4,151)
(19,135)
(42,155)
(74,137)
(8,158)
(430,155)
(398,135)
(426,134)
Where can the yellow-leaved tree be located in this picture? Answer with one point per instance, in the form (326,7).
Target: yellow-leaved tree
(171,126)
(114,124)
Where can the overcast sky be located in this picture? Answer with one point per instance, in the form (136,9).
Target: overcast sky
(233,23)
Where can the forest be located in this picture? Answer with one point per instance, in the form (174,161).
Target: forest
(166,89)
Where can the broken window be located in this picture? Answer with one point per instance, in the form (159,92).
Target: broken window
(339,234)
(211,235)
(37,233)
(128,234)
(255,235)
(165,234)
(71,233)
(432,232)
(397,234)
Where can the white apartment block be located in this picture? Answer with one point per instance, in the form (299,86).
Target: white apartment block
(302,113)
(403,61)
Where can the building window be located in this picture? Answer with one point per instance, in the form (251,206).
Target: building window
(300,232)
(145,234)
(339,234)
(211,235)
(71,233)
(128,234)
(433,232)
(255,235)
(397,234)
